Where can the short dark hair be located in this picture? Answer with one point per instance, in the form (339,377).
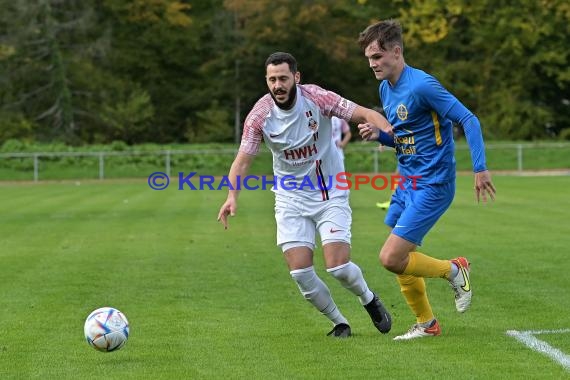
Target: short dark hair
(387,33)
(279,57)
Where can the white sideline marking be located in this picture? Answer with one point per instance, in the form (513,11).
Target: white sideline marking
(528,339)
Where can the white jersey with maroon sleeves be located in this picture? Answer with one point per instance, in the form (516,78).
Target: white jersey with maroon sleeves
(305,160)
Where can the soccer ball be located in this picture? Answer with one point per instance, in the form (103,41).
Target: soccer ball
(106,329)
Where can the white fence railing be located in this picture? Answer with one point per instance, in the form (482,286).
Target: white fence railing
(520,151)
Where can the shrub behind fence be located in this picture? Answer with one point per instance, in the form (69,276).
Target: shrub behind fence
(360,158)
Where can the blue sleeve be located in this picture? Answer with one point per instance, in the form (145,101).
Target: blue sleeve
(386,139)
(383,137)
(434,96)
(472,128)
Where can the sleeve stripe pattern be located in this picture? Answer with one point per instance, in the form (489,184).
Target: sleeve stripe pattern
(436,126)
(330,103)
(253,125)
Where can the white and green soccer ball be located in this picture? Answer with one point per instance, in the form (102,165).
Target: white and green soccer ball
(106,329)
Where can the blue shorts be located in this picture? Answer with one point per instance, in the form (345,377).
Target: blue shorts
(413,212)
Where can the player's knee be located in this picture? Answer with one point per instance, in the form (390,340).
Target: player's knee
(346,272)
(305,280)
(389,261)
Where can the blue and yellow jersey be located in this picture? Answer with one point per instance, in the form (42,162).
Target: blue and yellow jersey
(422,113)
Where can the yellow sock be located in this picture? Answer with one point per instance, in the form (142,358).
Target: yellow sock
(414,290)
(421,265)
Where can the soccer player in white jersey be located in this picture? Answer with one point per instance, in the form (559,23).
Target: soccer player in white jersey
(340,133)
(295,122)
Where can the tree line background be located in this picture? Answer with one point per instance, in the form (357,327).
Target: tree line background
(167,71)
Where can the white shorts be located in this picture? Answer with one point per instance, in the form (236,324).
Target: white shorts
(298,220)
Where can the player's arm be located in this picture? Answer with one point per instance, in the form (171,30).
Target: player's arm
(334,105)
(362,115)
(472,128)
(239,169)
(434,95)
(250,141)
(369,132)
(373,126)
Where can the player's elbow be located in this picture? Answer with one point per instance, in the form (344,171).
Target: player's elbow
(469,121)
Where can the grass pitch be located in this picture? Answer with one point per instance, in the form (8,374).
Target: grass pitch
(207,303)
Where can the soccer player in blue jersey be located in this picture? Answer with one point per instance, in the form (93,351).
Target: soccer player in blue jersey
(421,112)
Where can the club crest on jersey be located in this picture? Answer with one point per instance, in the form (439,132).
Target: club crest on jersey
(313,125)
(402,112)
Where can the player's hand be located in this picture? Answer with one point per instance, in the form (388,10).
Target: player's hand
(484,186)
(387,128)
(228,208)
(368,132)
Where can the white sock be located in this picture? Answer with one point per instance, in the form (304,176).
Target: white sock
(454,270)
(350,276)
(427,324)
(316,292)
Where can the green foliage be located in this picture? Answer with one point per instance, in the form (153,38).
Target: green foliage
(49,41)
(15,126)
(128,119)
(13,145)
(171,71)
(210,125)
(565,134)
(120,160)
